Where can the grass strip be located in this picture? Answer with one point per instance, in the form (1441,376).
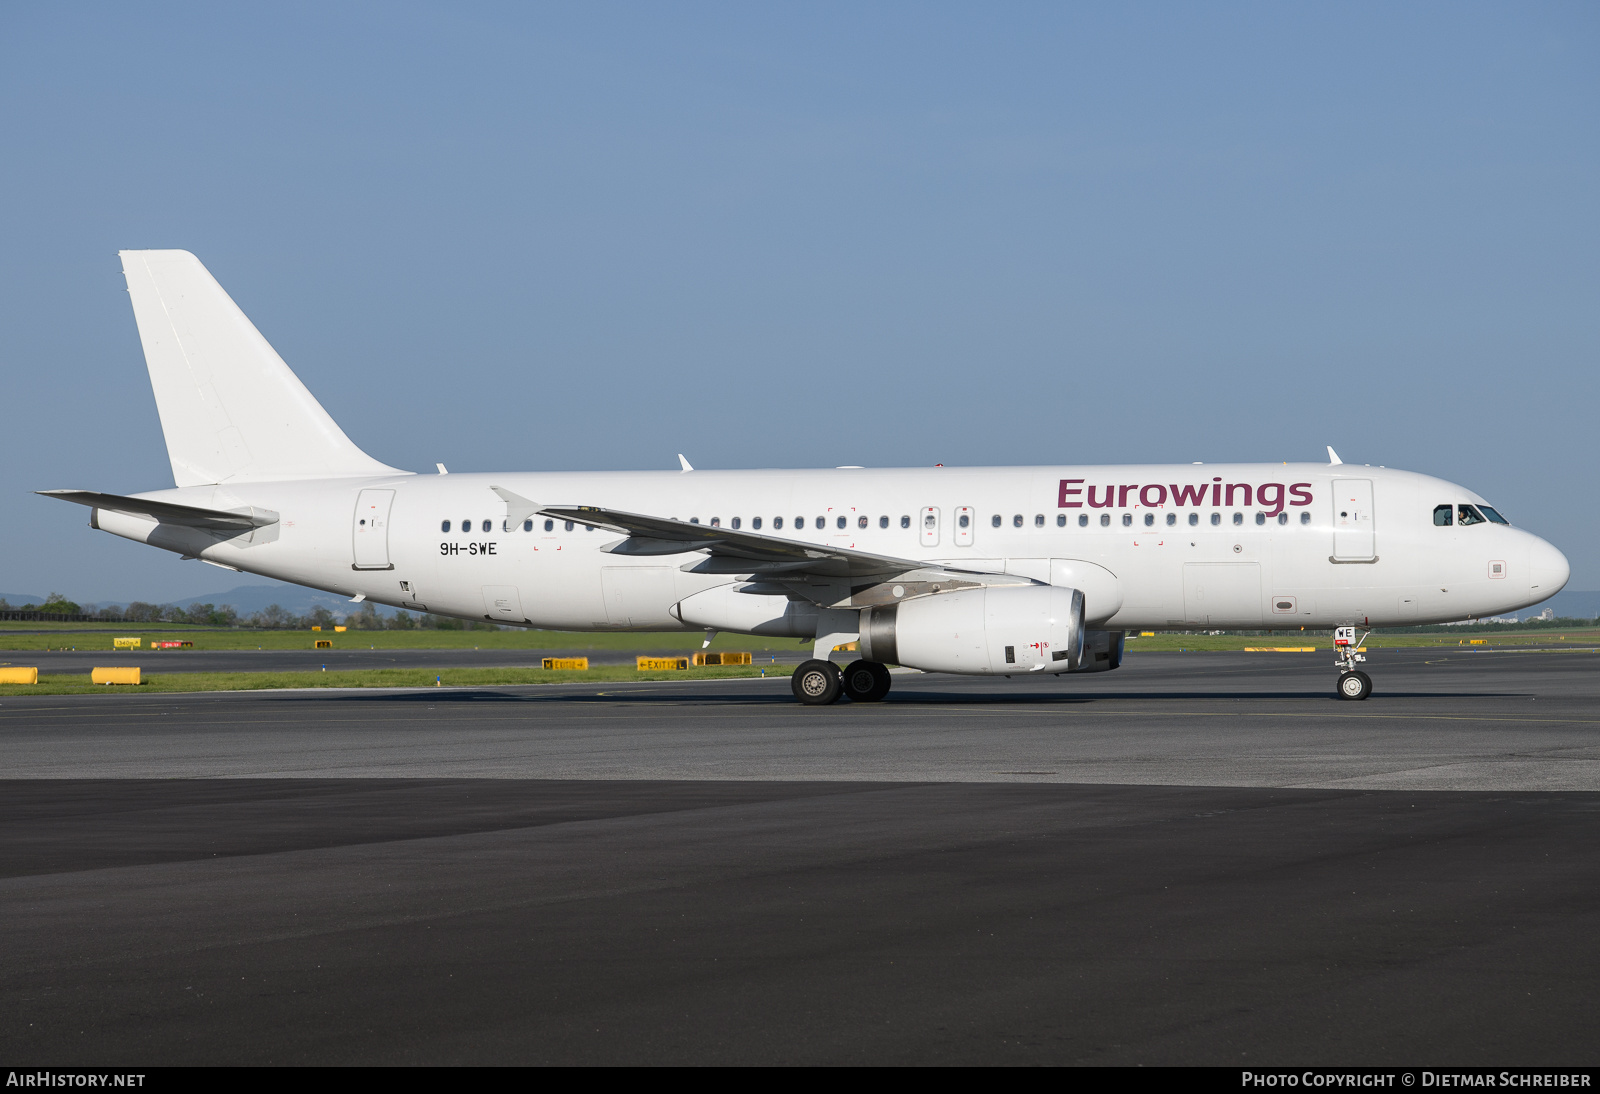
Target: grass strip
(71,636)
(78,684)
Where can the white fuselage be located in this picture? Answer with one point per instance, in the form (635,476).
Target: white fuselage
(1241,545)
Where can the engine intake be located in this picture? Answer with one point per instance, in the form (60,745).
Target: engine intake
(996,631)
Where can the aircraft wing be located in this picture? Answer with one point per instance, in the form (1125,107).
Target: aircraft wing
(731,551)
(166,512)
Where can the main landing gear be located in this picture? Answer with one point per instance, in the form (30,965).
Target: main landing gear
(1353,683)
(818,683)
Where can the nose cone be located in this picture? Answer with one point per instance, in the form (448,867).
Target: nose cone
(1547,570)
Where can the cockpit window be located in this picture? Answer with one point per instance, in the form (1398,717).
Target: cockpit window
(1493,514)
(1442,515)
(1468,514)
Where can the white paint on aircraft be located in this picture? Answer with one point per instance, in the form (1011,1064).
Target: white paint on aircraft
(995,570)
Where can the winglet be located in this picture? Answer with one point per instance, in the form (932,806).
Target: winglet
(1333,457)
(684,462)
(518,508)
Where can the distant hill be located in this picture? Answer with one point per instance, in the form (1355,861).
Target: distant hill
(17,600)
(245,599)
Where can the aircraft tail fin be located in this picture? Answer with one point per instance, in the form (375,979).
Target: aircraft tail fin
(231,410)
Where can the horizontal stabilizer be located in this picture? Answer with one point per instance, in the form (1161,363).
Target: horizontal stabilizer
(166,512)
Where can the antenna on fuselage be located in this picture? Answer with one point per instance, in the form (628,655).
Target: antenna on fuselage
(1333,457)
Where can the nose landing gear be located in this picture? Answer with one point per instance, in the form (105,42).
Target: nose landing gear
(1353,683)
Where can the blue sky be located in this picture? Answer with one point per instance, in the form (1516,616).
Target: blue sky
(595,235)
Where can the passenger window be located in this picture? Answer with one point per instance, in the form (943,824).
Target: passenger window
(841,522)
(929,520)
(1194,518)
(1216,518)
(965,520)
(569,526)
(734,522)
(1127,520)
(1038,520)
(777,524)
(1283,518)
(1172,518)
(692,520)
(1238,518)
(444,526)
(994,521)
(716,522)
(905,522)
(1305,518)
(527,525)
(1016,521)
(883,522)
(1261,518)
(466,527)
(1466,515)
(1442,515)
(487,527)
(1061,520)
(822,522)
(861,522)
(1105,520)
(549,526)
(755,523)
(799,524)
(1149,520)
(1083,520)
(1494,515)
(505,525)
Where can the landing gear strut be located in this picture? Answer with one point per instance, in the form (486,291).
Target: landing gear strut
(1353,683)
(866,682)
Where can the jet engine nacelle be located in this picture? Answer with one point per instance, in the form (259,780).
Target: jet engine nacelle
(995,631)
(1102,651)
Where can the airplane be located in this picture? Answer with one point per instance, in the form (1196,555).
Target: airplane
(985,571)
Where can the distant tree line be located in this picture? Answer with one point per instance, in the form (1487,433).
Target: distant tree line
(273,617)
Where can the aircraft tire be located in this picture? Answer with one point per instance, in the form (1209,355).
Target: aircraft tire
(866,682)
(816,683)
(1354,685)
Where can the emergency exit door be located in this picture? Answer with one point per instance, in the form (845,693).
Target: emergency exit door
(370,530)
(1353,538)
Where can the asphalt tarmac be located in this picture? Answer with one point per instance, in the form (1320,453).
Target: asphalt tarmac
(1201,858)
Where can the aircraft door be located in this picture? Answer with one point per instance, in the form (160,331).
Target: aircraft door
(930,527)
(1353,533)
(1222,593)
(965,519)
(370,530)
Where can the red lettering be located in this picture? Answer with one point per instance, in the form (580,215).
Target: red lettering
(1122,495)
(1301,493)
(1232,486)
(1189,495)
(1101,504)
(1276,500)
(1068,489)
(1216,492)
(1144,494)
